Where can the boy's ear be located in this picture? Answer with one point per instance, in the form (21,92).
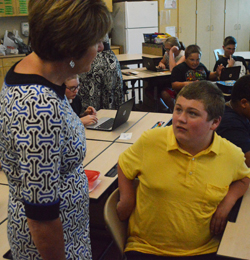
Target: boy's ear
(244,103)
(216,123)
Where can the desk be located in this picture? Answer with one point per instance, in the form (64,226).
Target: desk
(235,241)
(3,178)
(4,245)
(144,74)
(147,122)
(113,135)
(103,163)
(244,54)
(4,198)
(94,148)
(129,59)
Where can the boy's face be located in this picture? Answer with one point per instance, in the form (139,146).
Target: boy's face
(193,60)
(190,125)
(72,87)
(229,50)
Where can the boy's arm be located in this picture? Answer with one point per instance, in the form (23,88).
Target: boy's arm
(127,196)
(236,190)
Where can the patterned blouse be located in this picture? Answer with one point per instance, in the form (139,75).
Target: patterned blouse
(102,86)
(42,146)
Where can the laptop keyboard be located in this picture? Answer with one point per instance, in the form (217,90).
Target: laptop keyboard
(107,124)
(158,69)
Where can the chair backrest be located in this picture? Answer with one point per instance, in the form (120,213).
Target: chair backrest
(116,227)
(218,53)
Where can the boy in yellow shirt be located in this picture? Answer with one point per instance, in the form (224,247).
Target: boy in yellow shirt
(189,179)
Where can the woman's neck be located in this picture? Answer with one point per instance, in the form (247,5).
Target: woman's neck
(55,72)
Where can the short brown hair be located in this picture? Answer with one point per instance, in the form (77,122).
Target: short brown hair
(229,40)
(62,29)
(192,49)
(209,94)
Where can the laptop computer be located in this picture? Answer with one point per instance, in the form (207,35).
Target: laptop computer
(152,64)
(109,124)
(230,73)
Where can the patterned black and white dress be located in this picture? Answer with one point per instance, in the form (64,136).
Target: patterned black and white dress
(102,86)
(42,146)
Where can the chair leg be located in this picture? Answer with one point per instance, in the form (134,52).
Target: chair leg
(106,251)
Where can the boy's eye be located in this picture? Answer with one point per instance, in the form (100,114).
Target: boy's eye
(192,113)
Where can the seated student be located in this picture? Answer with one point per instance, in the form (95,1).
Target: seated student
(235,125)
(102,86)
(174,55)
(192,69)
(189,179)
(229,60)
(88,117)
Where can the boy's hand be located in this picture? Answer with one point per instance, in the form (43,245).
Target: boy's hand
(230,61)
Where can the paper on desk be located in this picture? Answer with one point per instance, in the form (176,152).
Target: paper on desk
(125,136)
(94,185)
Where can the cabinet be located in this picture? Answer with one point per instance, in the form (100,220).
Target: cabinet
(237,22)
(109,5)
(210,29)
(187,21)
(117,49)
(6,62)
(167,17)
(13,8)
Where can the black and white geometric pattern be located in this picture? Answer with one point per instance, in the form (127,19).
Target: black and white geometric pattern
(102,86)
(42,146)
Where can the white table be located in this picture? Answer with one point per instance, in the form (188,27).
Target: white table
(148,75)
(113,135)
(244,54)
(103,163)
(144,124)
(236,238)
(129,59)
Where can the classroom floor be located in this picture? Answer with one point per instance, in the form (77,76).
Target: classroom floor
(100,238)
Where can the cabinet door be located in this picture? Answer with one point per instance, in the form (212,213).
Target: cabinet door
(231,19)
(109,5)
(217,16)
(187,21)
(243,25)
(167,17)
(7,8)
(21,7)
(210,29)
(203,29)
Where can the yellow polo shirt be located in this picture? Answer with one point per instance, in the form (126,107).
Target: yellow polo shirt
(178,193)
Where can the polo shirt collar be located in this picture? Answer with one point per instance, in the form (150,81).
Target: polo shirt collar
(173,145)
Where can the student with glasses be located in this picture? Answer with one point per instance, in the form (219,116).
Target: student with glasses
(88,117)
(174,53)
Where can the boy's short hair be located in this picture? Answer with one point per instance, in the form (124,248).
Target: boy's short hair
(193,48)
(241,89)
(229,40)
(209,94)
